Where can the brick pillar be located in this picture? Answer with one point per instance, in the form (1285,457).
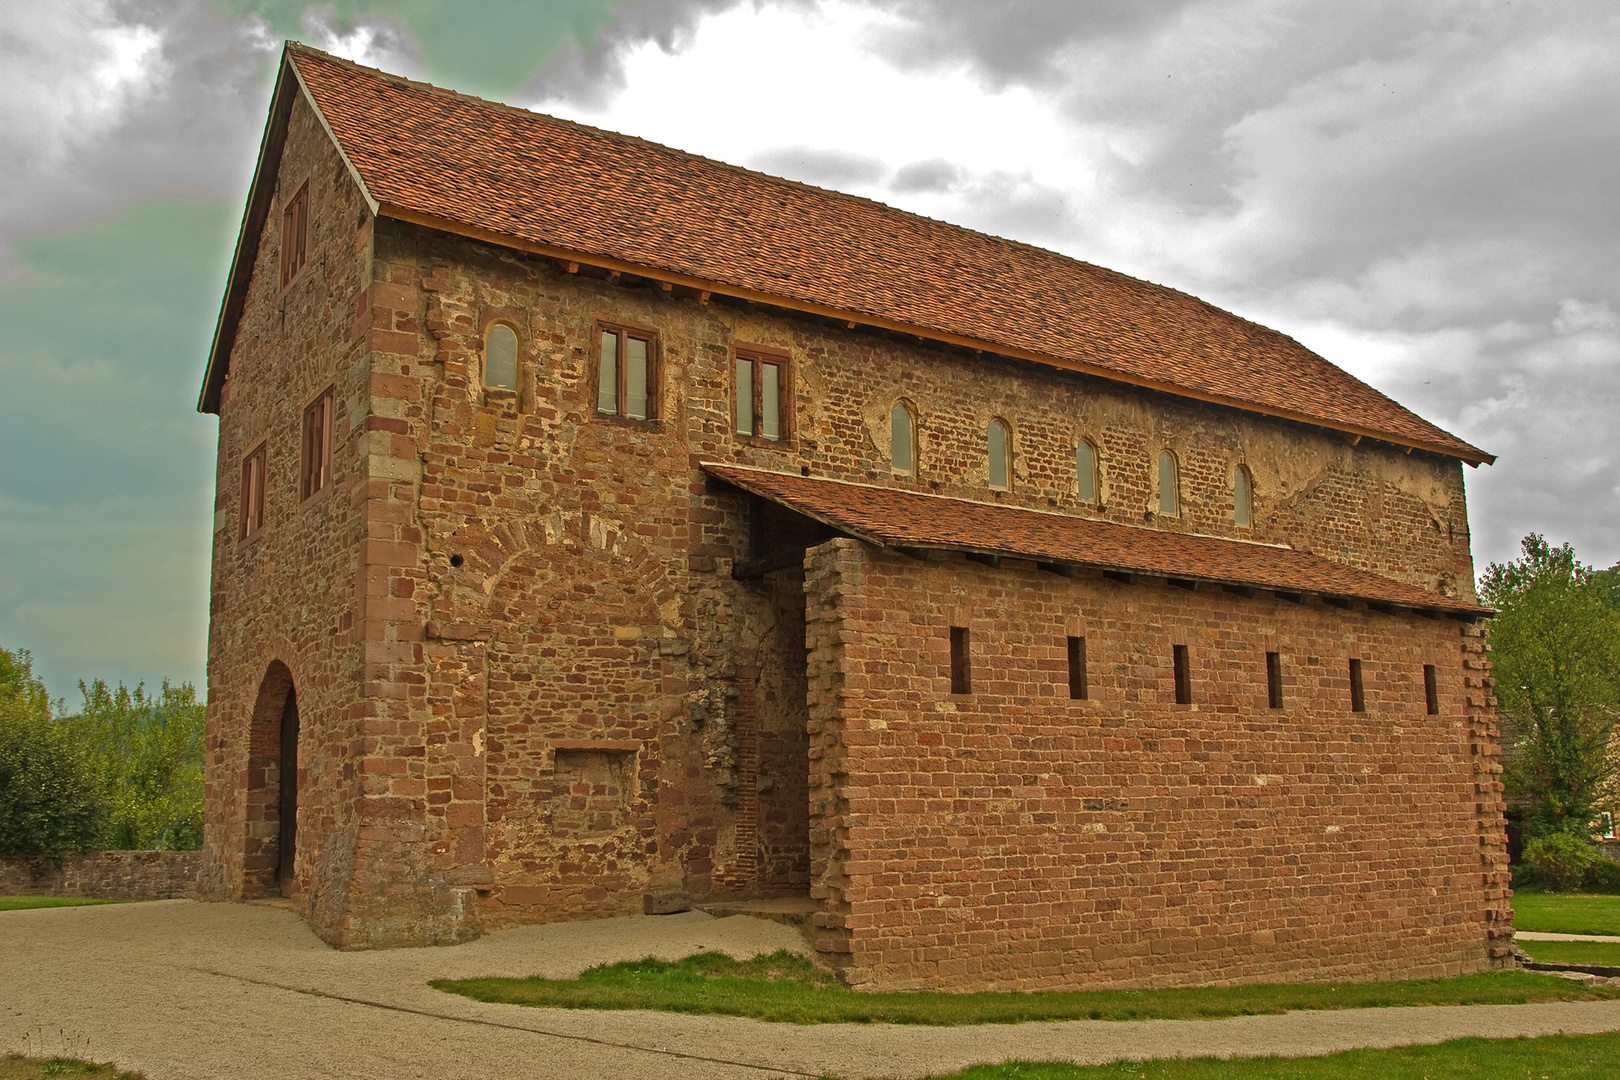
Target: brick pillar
(743,871)
(1479,708)
(831,570)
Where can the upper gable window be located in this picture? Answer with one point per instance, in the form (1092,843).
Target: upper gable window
(500,357)
(315,472)
(902,439)
(626,374)
(294,234)
(1000,452)
(252,507)
(1169,485)
(1242,497)
(761,395)
(1085,471)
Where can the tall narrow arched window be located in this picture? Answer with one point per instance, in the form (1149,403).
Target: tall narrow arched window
(500,357)
(1085,471)
(902,439)
(1000,467)
(1169,485)
(1242,497)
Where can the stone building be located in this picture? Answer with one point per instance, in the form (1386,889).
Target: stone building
(599,525)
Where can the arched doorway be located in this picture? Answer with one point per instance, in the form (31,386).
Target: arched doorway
(270,840)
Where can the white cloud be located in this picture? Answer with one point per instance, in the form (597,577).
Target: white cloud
(69,71)
(373,41)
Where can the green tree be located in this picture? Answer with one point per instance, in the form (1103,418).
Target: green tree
(1555,647)
(50,797)
(148,750)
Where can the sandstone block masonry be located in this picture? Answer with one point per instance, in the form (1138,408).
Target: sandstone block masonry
(521,658)
(1014,838)
(105,875)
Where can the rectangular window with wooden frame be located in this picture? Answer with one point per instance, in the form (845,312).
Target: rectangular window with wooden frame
(1182,664)
(315,470)
(252,493)
(627,373)
(294,234)
(763,399)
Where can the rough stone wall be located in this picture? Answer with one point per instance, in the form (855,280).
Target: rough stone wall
(1013,838)
(283,605)
(104,875)
(530,688)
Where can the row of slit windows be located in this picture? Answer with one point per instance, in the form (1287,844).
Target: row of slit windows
(626,383)
(1181,666)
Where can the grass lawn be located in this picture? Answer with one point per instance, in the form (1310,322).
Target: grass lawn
(33,1068)
(788,989)
(23,903)
(1554,1057)
(1574,952)
(1566,913)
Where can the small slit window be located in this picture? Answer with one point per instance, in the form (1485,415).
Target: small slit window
(1169,485)
(761,381)
(294,234)
(999,451)
(315,470)
(1078,689)
(1242,497)
(1431,689)
(501,358)
(1274,697)
(1183,667)
(961,665)
(253,479)
(902,439)
(1085,471)
(1358,696)
(625,375)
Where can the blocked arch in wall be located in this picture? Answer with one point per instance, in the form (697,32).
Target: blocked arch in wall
(269,839)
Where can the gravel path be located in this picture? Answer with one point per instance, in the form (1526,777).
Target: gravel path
(182,990)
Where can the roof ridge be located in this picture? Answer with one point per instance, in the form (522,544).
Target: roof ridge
(996,506)
(1036,249)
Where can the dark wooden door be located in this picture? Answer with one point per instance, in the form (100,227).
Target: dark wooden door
(287,804)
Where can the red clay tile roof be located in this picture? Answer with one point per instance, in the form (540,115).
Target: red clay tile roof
(563,188)
(894,518)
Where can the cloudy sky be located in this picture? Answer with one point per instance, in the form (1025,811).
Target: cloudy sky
(1425,193)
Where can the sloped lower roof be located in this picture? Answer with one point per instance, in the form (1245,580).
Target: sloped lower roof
(548,185)
(904,519)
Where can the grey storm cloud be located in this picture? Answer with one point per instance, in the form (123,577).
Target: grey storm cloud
(820,166)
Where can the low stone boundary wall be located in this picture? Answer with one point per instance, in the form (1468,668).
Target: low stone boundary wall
(105,875)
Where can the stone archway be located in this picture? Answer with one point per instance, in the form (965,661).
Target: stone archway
(272,787)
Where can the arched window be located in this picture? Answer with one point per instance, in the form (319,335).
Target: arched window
(500,357)
(1169,485)
(1242,497)
(902,439)
(1085,471)
(996,437)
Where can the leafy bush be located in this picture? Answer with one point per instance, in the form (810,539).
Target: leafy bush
(1603,877)
(1560,860)
(148,751)
(50,797)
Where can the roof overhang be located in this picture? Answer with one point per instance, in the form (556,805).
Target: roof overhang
(913,522)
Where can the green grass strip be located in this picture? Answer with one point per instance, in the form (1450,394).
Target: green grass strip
(1566,913)
(1574,952)
(785,988)
(16,1067)
(23,903)
(1552,1057)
